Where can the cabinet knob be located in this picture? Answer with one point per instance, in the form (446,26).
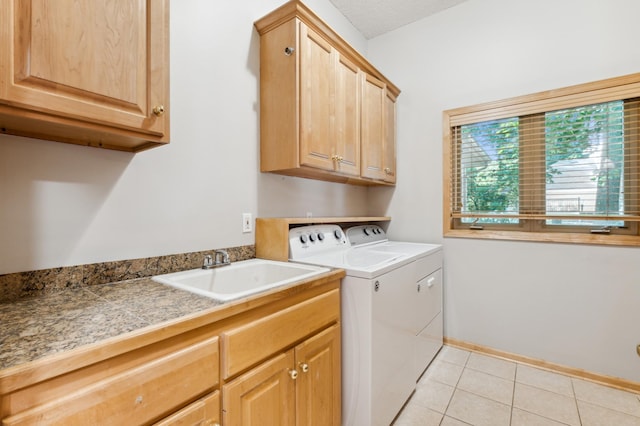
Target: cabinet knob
(304,367)
(293,374)
(158,110)
(388,171)
(337,158)
(289,50)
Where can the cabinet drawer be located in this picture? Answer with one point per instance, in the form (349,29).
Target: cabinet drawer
(205,411)
(249,344)
(135,396)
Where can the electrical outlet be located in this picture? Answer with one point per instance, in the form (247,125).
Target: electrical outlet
(246,222)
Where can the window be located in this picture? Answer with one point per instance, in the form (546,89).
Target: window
(555,166)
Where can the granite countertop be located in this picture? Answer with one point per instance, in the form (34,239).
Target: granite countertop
(38,326)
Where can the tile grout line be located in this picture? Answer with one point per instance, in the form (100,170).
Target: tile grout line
(575,400)
(513,396)
(116,306)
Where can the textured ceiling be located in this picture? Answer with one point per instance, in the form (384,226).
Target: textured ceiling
(375,17)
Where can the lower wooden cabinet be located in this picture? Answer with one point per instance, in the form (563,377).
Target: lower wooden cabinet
(297,387)
(293,361)
(270,361)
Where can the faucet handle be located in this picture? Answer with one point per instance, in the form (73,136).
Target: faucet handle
(224,257)
(207,261)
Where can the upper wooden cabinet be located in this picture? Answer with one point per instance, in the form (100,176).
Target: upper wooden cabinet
(318,118)
(86,72)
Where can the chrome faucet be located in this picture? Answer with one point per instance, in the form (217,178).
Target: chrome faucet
(219,258)
(207,263)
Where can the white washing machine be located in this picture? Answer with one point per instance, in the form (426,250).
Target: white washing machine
(391,312)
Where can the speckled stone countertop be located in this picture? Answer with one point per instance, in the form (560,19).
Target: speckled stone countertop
(31,328)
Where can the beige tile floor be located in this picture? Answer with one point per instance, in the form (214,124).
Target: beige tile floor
(466,388)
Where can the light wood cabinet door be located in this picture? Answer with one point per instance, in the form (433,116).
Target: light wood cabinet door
(346,133)
(86,63)
(317,85)
(373,132)
(329,106)
(265,396)
(318,395)
(378,131)
(389,147)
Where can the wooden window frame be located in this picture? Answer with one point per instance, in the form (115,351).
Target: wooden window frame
(533,107)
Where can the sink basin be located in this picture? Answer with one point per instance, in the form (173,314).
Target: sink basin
(239,279)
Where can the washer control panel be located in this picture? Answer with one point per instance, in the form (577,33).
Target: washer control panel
(363,234)
(310,240)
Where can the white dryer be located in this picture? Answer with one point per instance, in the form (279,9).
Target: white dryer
(390,310)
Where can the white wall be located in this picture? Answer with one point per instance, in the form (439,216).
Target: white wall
(67,205)
(573,305)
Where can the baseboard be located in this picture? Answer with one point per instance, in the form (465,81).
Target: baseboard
(613,382)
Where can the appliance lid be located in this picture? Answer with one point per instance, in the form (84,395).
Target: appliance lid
(363,251)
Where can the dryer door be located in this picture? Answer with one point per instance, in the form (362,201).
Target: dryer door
(393,342)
